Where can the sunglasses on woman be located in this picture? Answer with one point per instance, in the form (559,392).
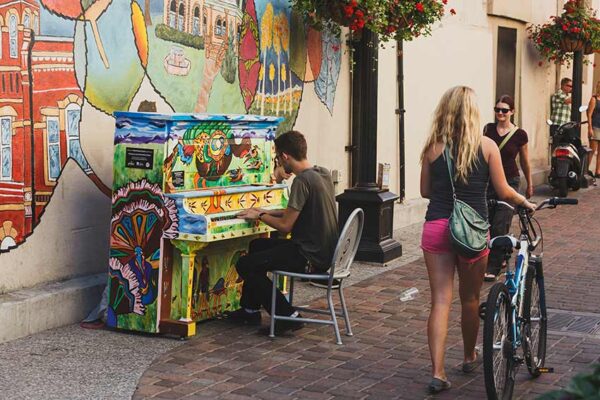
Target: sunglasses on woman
(501,110)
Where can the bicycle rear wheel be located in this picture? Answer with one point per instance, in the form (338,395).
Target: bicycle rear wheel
(498,360)
(535,319)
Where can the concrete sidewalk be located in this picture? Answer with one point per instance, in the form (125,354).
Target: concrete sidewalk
(387,357)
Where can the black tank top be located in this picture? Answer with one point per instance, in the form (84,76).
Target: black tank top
(473,193)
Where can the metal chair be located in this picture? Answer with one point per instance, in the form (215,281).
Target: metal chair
(343,256)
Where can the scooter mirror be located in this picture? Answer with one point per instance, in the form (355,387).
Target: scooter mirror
(549,122)
(583,108)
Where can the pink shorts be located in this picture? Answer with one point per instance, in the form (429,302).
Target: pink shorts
(436,239)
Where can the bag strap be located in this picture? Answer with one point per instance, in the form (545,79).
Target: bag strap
(508,136)
(450,169)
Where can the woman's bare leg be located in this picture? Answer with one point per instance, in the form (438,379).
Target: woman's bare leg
(440,268)
(470,279)
(596,151)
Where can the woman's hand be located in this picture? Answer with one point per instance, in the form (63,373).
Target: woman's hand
(530,206)
(529,191)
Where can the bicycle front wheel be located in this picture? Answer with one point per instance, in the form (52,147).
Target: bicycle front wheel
(498,360)
(535,320)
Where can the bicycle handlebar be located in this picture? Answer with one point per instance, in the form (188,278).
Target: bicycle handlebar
(548,203)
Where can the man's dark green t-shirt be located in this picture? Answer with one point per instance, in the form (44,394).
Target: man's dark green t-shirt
(316,229)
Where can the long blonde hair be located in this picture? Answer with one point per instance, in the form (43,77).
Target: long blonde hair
(456,123)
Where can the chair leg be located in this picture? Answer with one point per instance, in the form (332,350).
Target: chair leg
(291,294)
(273,302)
(345,311)
(333,317)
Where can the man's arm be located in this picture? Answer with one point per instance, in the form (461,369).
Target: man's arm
(283,223)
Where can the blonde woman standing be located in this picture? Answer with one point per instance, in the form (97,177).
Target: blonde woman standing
(477,160)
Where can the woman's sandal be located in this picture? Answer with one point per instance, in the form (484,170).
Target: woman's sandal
(437,385)
(489,277)
(469,367)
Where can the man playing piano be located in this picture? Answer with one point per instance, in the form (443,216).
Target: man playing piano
(310,217)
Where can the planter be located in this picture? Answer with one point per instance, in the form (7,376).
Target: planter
(571,45)
(588,49)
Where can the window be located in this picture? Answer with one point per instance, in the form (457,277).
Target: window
(218,27)
(204,23)
(73,112)
(196,26)
(26,21)
(53,142)
(36,23)
(5,148)
(180,19)
(12,32)
(173,14)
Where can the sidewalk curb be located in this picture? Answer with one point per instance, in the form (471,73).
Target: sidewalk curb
(28,311)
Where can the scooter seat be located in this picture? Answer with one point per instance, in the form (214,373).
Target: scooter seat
(504,242)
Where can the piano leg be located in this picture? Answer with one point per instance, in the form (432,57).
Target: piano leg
(185,326)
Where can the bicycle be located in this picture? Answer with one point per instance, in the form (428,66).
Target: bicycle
(515,311)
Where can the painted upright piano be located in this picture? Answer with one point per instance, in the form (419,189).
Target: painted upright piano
(179,182)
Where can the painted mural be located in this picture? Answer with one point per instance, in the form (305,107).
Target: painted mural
(183,179)
(213,56)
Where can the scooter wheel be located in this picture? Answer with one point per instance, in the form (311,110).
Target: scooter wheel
(562,185)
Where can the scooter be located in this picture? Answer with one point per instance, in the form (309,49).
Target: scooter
(569,161)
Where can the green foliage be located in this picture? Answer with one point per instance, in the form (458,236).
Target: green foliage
(173,35)
(230,63)
(391,19)
(582,386)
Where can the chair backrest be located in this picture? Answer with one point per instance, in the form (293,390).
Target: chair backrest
(347,244)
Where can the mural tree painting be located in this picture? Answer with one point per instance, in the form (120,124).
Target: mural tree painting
(266,42)
(283,31)
(281,44)
(272,79)
(147,16)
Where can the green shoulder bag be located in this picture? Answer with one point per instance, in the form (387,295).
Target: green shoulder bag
(468,230)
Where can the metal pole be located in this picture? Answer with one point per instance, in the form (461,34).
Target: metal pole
(577,83)
(401,112)
(365,68)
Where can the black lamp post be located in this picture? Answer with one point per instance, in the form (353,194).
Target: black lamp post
(377,243)
(577,82)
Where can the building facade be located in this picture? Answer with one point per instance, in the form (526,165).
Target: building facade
(40,107)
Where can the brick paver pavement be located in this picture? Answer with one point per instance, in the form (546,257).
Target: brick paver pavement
(388,355)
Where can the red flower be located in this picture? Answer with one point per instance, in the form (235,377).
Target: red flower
(348,10)
(452,11)
(419,7)
(445,2)
(565,28)
(540,63)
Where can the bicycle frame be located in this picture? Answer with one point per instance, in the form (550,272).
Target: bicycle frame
(516,288)
(515,280)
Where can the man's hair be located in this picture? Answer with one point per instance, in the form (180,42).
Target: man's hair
(564,81)
(293,144)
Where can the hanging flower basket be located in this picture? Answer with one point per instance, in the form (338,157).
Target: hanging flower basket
(571,45)
(577,28)
(390,19)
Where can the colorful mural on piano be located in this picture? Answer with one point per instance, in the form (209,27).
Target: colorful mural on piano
(179,182)
(59,57)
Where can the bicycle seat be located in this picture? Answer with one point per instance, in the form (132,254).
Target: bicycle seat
(504,242)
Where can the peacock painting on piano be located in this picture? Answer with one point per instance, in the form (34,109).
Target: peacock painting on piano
(179,182)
